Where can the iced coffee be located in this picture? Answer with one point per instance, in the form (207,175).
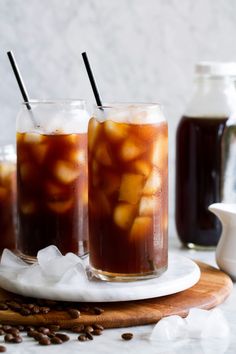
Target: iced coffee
(7,197)
(128,191)
(52,178)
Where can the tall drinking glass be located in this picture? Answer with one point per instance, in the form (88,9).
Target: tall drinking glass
(52,177)
(128,191)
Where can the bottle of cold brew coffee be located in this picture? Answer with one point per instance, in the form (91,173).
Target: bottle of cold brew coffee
(198,153)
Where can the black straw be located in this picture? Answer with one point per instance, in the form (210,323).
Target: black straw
(19,79)
(91,79)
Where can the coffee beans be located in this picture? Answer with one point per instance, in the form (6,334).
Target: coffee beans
(2,349)
(74,313)
(82,338)
(98,310)
(97,332)
(56,340)
(45,341)
(63,337)
(127,336)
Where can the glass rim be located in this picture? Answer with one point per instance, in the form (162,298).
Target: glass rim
(113,105)
(73,101)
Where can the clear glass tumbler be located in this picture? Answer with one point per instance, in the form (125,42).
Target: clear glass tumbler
(52,177)
(128,191)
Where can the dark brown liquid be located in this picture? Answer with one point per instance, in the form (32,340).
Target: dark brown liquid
(7,205)
(128,221)
(198,183)
(52,192)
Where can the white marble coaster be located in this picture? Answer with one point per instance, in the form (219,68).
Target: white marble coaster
(182,273)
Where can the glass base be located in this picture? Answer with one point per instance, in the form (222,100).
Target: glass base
(120,277)
(194,246)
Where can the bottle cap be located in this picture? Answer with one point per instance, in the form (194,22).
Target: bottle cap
(211,68)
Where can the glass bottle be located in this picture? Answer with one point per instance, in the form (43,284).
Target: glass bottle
(7,197)
(198,154)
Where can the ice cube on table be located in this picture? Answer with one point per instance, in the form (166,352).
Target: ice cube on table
(207,324)
(169,328)
(9,259)
(54,265)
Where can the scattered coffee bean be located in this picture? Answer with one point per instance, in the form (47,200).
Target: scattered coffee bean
(54,328)
(3,307)
(6,327)
(56,340)
(74,313)
(78,329)
(21,328)
(44,330)
(98,310)
(82,338)
(51,334)
(127,336)
(25,312)
(14,331)
(89,335)
(2,332)
(35,310)
(89,329)
(32,334)
(2,349)
(29,328)
(17,339)
(8,338)
(44,310)
(38,336)
(97,332)
(64,337)
(45,341)
(98,326)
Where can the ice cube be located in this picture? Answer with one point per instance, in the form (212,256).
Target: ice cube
(6,169)
(27,171)
(52,189)
(141,167)
(28,207)
(123,215)
(74,276)
(148,206)
(131,188)
(65,171)
(169,328)
(207,324)
(39,152)
(3,193)
(153,183)
(116,131)
(141,227)
(60,206)
(93,132)
(131,149)
(53,264)
(9,259)
(102,155)
(33,138)
(78,156)
(31,275)
(160,152)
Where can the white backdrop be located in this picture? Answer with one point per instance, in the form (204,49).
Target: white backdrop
(139,49)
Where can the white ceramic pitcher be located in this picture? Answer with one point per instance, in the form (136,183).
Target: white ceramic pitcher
(226,248)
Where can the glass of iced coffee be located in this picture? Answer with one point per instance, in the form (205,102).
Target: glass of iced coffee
(7,197)
(52,177)
(128,191)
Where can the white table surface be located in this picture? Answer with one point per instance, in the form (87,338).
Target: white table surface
(111,342)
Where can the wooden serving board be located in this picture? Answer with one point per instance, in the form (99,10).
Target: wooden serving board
(212,289)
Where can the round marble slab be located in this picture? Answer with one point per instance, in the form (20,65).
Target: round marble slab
(182,274)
